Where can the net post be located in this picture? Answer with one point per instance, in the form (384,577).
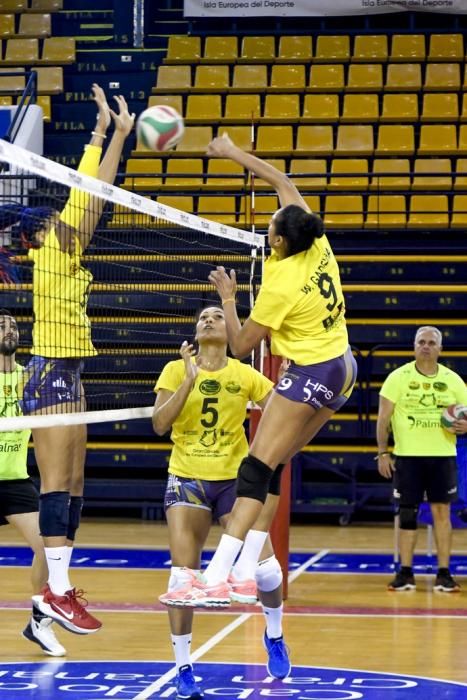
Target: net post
(279,530)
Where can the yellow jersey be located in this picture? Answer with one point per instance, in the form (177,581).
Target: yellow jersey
(301,301)
(13,444)
(208,435)
(61,286)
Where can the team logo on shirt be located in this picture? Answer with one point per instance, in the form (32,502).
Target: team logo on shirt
(414,386)
(208,438)
(426,386)
(440,386)
(233,387)
(7,390)
(209,387)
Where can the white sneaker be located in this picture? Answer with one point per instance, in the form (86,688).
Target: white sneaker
(41,633)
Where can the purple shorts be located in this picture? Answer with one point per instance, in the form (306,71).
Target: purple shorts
(50,382)
(216,496)
(327,383)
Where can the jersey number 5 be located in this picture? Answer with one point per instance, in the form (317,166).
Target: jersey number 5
(209,410)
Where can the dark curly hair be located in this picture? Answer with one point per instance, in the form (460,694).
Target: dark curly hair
(299,228)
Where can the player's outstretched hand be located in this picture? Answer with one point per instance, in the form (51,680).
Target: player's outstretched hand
(225,284)
(220,147)
(123,121)
(103,110)
(187,351)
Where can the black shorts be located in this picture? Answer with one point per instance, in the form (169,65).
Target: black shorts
(434,476)
(17,496)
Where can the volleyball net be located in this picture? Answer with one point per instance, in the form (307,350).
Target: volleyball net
(125,305)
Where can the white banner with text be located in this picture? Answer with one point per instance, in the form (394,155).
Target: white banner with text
(316,8)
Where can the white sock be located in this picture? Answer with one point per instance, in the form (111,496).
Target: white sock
(182,646)
(219,567)
(246,564)
(68,554)
(57,562)
(273,621)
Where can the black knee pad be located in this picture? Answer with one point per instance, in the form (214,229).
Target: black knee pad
(54,513)
(253,479)
(74,516)
(408,517)
(275,483)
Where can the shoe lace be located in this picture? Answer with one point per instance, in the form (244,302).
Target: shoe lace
(278,648)
(77,600)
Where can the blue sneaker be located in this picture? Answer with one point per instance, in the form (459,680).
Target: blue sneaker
(279,665)
(186,684)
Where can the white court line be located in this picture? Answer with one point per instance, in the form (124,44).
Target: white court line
(204,648)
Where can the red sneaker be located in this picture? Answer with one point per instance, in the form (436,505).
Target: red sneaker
(198,594)
(68,611)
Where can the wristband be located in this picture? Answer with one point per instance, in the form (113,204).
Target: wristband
(224,301)
(96,133)
(380,454)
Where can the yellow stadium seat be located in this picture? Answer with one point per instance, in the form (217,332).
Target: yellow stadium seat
(257,49)
(7,25)
(242,108)
(149,174)
(46,5)
(460,182)
(175,101)
(194,140)
(332,49)
(343,211)
(428,211)
(220,49)
(366,77)
(5,100)
(440,107)
(184,173)
(405,77)
(203,109)
(12,83)
(442,77)
(240,135)
(265,207)
(400,108)
(278,163)
(386,210)
(250,78)
(320,109)
(233,175)
(407,48)
(428,174)
(353,139)
(394,140)
(462,148)
(360,108)
(281,108)
(220,209)
(43,101)
(295,49)
(170,78)
(390,174)
(59,49)
(275,140)
(13,5)
(349,174)
(437,139)
(314,171)
(50,80)
(122,217)
(183,49)
(459,211)
(464,87)
(446,47)
(211,78)
(370,48)
(287,78)
(35,25)
(184,203)
(326,78)
(21,51)
(463,116)
(313,202)
(314,140)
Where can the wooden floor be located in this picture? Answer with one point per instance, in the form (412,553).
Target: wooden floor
(333,620)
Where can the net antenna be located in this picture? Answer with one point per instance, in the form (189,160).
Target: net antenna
(150,262)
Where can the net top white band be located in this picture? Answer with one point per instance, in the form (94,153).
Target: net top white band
(33,163)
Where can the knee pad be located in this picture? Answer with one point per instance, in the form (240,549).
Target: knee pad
(275,483)
(179,578)
(253,479)
(74,516)
(54,513)
(408,517)
(268,575)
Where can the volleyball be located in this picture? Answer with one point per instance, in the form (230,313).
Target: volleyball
(159,128)
(451,414)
